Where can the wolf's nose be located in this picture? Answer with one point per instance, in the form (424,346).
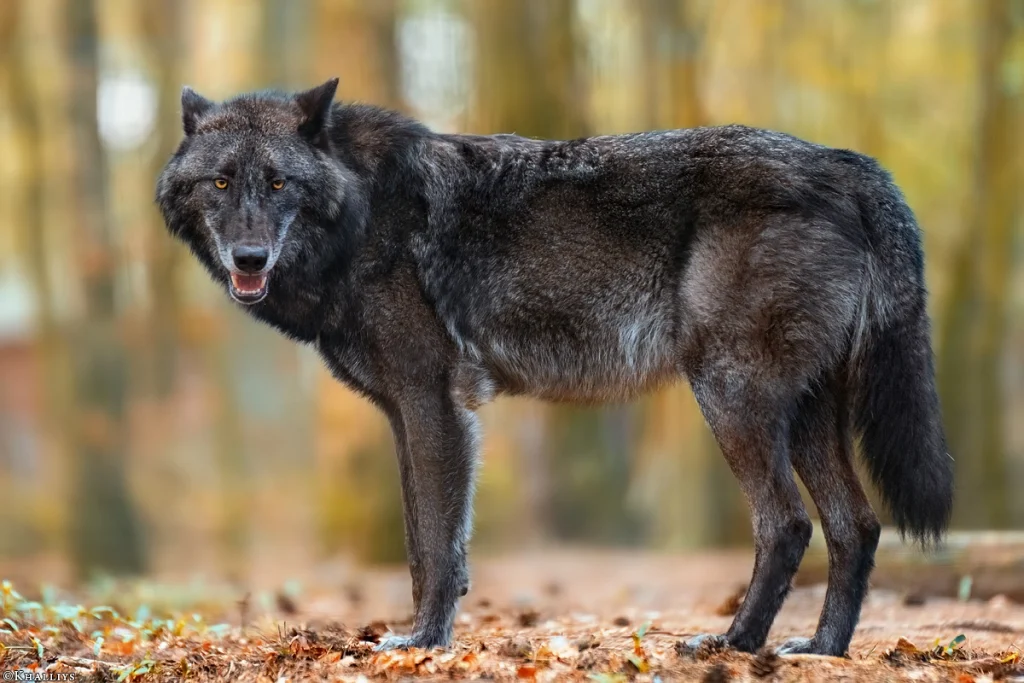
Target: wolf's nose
(250,259)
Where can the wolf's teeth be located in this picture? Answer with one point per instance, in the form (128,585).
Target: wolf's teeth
(248,284)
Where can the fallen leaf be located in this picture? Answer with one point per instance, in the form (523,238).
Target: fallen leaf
(373,631)
(639,663)
(527,671)
(516,648)
(719,673)
(608,678)
(528,618)
(731,604)
(467,662)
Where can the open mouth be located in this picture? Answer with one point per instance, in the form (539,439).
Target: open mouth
(248,288)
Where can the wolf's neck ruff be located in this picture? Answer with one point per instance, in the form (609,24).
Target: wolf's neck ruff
(784,279)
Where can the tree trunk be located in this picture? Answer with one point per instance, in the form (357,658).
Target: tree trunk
(27,121)
(162,27)
(106,531)
(975,325)
(680,476)
(527,81)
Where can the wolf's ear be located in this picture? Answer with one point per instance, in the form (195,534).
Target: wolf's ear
(193,106)
(315,105)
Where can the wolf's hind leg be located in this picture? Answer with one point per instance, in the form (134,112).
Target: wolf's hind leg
(750,419)
(822,455)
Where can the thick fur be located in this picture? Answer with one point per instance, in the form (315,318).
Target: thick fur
(434,272)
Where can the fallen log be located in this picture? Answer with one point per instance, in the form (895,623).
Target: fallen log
(976,564)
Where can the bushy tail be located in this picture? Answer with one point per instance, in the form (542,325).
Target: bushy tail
(895,403)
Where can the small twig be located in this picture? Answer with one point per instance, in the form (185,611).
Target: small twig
(812,658)
(83,662)
(976,625)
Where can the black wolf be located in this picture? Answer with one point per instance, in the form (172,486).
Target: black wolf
(433,272)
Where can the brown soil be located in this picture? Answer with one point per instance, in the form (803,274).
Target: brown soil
(572,615)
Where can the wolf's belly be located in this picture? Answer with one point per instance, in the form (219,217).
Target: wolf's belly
(582,364)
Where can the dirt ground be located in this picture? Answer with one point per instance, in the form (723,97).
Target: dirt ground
(570,615)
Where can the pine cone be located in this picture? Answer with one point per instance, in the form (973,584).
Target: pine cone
(719,673)
(765,663)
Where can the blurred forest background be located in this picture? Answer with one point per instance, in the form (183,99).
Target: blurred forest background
(147,425)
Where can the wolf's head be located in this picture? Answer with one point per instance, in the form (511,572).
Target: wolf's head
(250,172)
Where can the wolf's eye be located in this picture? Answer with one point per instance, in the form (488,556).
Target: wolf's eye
(277,184)
(220,183)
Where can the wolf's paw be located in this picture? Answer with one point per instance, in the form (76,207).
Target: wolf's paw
(797,646)
(806,646)
(702,646)
(417,640)
(393,643)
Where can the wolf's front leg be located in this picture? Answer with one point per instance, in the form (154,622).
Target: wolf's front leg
(436,441)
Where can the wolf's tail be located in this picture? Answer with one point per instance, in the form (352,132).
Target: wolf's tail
(895,403)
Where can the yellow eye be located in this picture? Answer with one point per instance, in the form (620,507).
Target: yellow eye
(220,183)
(277,184)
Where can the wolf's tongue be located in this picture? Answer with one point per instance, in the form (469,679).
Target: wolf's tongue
(248,284)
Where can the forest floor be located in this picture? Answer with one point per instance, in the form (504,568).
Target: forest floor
(567,615)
